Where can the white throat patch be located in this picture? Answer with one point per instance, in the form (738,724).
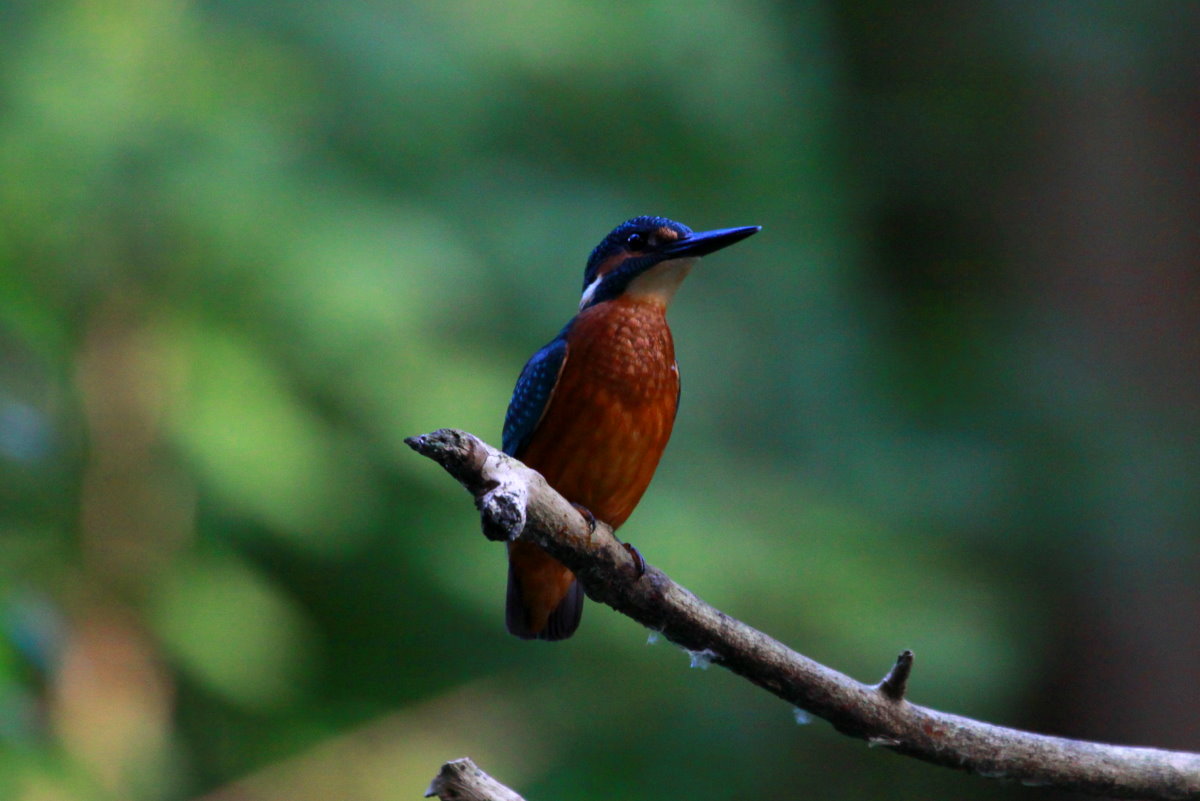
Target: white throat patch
(658,284)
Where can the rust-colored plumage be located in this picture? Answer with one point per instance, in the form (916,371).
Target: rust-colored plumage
(602,436)
(604,432)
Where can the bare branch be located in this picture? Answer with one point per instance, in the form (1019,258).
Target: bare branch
(462,780)
(878,714)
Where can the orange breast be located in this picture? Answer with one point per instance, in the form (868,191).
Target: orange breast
(609,420)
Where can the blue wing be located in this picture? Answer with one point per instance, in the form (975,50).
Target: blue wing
(532,394)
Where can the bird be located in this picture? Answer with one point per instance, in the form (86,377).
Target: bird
(592,410)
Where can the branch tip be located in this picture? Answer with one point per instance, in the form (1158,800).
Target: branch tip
(462,780)
(432,444)
(895,683)
(460,454)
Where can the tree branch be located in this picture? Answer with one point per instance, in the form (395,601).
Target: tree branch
(516,501)
(462,780)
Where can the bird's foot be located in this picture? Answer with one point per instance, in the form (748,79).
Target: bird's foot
(588,517)
(638,561)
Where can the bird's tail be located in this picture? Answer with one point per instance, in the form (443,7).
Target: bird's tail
(545,601)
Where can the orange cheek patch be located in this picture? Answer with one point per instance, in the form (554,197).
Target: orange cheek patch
(611,263)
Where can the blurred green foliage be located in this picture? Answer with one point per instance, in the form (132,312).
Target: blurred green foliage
(946,401)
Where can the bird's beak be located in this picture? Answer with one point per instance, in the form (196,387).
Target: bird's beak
(705,242)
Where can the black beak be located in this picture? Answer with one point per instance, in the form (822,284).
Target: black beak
(705,242)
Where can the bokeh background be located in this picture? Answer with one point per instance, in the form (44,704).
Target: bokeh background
(948,400)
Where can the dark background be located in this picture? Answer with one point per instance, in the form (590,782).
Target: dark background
(947,400)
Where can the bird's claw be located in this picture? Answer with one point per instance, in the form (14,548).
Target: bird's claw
(638,561)
(588,517)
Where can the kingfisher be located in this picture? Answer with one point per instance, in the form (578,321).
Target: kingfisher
(592,410)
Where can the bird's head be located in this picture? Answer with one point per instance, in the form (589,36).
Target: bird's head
(648,257)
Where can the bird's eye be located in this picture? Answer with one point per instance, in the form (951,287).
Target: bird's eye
(635,242)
